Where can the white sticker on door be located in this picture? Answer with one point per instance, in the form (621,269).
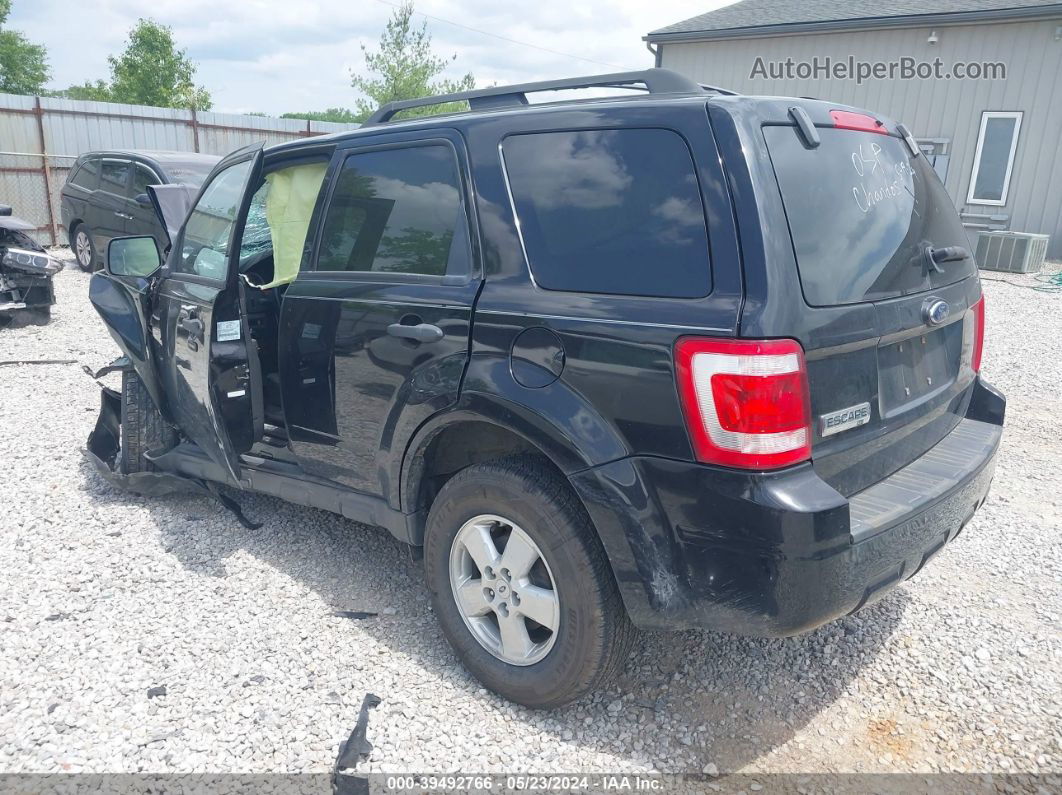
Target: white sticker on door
(228,330)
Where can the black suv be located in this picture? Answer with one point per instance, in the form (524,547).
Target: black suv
(679,359)
(105,196)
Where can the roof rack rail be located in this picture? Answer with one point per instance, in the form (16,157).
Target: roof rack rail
(724,91)
(656,81)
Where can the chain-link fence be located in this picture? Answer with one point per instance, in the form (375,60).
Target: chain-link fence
(32,191)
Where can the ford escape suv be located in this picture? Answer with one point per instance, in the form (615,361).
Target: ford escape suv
(676,359)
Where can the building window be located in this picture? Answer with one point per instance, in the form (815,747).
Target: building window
(994,159)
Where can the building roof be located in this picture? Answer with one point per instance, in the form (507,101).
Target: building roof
(762,17)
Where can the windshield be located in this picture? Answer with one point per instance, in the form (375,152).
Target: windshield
(862,214)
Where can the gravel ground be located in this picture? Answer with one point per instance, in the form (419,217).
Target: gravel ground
(105,595)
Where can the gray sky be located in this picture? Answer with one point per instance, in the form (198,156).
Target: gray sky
(285,55)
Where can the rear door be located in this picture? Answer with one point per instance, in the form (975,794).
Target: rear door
(202,354)
(887,285)
(376,338)
(111,203)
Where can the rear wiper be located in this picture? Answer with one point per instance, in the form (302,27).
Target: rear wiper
(935,256)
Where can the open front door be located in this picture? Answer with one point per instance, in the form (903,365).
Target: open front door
(124,301)
(203,360)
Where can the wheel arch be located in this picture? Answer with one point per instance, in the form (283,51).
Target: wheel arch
(480,428)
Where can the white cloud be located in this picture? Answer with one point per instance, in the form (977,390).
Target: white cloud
(282,55)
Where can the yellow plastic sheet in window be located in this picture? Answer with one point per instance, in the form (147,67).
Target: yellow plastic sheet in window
(289,203)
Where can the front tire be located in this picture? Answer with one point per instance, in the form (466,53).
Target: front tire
(84,250)
(143,428)
(521,585)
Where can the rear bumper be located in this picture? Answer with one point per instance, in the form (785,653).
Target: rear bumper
(777,554)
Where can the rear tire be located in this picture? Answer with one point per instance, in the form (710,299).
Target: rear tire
(523,498)
(143,428)
(84,250)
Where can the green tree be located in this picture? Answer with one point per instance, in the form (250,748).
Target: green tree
(97,92)
(329,114)
(152,71)
(406,67)
(23,65)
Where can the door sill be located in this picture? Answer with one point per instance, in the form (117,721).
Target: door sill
(289,482)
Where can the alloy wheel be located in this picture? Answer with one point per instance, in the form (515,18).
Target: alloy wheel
(83,249)
(504,590)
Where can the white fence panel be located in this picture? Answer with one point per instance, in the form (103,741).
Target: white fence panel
(40,137)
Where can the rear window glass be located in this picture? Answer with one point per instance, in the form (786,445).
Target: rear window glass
(610,211)
(862,212)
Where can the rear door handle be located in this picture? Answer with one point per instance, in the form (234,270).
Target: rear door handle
(422,332)
(126,216)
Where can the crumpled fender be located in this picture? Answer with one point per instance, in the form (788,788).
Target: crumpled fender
(104,444)
(102,452)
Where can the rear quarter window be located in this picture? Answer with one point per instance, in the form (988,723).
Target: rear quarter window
(87,175)
(610,211)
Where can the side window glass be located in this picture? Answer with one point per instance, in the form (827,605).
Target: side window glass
(397,211)
(208,230)
(142,177)
(114,177)
(88,175)
(610,211)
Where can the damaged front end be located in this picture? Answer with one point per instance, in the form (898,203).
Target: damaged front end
(104,446)
(26,271)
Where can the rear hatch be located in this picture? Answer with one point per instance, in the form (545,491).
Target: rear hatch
(887,288)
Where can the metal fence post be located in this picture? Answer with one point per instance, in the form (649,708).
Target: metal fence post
(46,170)
(195,130)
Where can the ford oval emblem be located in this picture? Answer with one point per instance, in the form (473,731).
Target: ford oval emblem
(935,311)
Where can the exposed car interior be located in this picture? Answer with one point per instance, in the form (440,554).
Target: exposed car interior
(271,252)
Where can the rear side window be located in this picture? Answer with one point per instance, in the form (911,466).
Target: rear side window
(610,211)
(862,212)
(88,175)
(396,211)
(114,176)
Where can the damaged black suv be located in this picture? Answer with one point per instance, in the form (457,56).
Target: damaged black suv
(676,359)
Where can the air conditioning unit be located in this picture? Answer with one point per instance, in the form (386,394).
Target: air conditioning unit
(1017,252)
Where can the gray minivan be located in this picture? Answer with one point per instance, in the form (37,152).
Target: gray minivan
(105,196)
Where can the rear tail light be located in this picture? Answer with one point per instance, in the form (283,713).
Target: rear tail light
(978,311)
(745,401)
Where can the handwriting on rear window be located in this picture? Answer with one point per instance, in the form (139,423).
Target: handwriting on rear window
(879,180)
